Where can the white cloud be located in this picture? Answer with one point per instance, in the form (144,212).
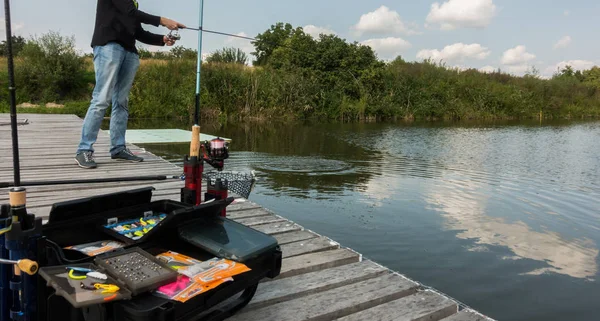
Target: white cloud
(517,56)
(567,12)
(575,64)
(488,69)
(563,42)
(382,21)
(388,47)
(456,53)
(315,31)
(454,14)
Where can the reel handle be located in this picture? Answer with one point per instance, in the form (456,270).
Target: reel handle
(25,265)
(28,266)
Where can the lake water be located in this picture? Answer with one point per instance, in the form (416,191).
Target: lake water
(504,217)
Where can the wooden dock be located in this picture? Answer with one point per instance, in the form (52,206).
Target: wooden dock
(320,279)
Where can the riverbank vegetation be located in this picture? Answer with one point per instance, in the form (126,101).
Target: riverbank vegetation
(296,76)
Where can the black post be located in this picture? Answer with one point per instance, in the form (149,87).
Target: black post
(11,90)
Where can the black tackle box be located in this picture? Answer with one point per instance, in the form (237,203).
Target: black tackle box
(195,231)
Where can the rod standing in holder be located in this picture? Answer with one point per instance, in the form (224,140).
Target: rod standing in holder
(21,242)
(5,269)
(193,165)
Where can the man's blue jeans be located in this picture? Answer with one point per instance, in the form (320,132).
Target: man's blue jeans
(115,70)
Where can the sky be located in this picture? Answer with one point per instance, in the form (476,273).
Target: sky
(510,35)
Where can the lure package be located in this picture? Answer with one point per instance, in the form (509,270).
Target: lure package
(196,277)
(96,248)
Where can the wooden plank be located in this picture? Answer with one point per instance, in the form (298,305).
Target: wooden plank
(241,205)
(335,303)
(49,197)
(261,220)
(466,315)
(75,172)
(277,228)
(316,261)
(295,236)
(243,214)
(302,285)
(308,246)
(422,306)
(41,191)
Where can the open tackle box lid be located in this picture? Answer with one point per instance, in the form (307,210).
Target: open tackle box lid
(127,207)
(89,206)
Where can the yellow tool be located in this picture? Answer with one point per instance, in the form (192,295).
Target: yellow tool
(108,288)
(28,266)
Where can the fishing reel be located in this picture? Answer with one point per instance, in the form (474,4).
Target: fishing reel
(216,152)
(174,36)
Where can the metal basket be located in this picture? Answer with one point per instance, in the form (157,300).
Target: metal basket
(239,183)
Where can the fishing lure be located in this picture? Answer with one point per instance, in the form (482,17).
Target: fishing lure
(76,277)
(79,269)
(98,276)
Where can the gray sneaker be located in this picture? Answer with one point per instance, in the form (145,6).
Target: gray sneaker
(127,155)
(85,160)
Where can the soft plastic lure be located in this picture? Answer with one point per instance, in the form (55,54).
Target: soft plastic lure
(76,277)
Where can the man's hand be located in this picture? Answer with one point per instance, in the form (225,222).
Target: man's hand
(168,41)
(171,24)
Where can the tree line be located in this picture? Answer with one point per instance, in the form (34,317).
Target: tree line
(296,75)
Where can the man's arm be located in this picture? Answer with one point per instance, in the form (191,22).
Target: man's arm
(149,38)
(128,7)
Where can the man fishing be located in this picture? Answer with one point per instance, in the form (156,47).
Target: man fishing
(116,61)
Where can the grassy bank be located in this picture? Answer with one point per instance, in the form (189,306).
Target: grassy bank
(350,86)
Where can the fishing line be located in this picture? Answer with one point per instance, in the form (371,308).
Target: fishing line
(252,39)
(201,30)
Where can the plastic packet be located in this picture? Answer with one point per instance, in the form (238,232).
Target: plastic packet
(185,288)
(196,276)
(96,248)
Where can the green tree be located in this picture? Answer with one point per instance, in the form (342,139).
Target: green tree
(18,43)
(181,52)
(228,55)
(51,69)
(592,76)
(270,40)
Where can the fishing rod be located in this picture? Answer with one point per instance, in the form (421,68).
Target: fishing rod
(93,181)
(12,93)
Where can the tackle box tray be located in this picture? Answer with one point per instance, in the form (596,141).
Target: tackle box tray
(58,278)
(137,269)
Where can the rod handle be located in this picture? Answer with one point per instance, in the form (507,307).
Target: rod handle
(17,196)
(195,143)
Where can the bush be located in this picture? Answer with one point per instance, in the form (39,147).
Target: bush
(228,55)
(50,70)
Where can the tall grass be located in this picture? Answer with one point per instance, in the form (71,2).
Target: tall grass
(406,90)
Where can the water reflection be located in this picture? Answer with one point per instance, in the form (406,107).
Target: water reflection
(465,208)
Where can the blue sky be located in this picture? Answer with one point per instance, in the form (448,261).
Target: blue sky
(507,34)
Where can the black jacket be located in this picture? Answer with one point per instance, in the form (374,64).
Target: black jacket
(121,21)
